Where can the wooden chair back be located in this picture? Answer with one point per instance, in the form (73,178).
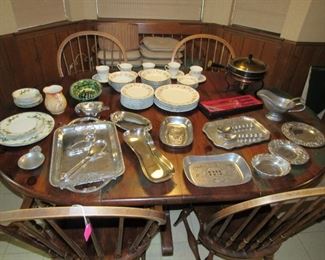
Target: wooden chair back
(257,227)
(203,50)
(117,232)
(80,51)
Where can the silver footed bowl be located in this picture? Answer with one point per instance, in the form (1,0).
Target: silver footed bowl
(277,105)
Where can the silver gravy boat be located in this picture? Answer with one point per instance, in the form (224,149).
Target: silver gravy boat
(278,105)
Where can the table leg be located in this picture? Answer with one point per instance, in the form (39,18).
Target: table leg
(167,247)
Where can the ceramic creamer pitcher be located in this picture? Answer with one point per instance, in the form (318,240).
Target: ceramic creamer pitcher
(55,101)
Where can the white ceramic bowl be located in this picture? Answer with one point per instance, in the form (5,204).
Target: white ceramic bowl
(120,78)
(26,96)
(188,80)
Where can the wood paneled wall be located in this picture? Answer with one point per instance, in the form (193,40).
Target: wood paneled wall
(28,59)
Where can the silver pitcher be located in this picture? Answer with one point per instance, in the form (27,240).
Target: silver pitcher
(278,105)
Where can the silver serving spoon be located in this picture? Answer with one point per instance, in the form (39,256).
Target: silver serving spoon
(224,129)
(96,148)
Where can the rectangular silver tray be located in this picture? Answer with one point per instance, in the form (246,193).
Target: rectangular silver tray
(71,144)
(217,170)
(246,130)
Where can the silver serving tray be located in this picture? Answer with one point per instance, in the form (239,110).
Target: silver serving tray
(156,167)
(176,131)
(71,144)
(128,120)
(303,134)
(222,170)
(293,153)
(243,131)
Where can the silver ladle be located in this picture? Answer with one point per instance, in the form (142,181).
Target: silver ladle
(96,148)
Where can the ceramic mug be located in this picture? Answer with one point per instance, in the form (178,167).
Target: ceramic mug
(148,65)
(196,71)
(125,66)
(102,72)
(173,67)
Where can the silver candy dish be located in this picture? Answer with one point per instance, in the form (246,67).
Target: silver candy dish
(32,160)
(270,165)
(303,134)
(235,132)
(289,151)
(128,120)
(217,170)
(72,144)
(176,131)
(90,108)
(156,167)
(278,105)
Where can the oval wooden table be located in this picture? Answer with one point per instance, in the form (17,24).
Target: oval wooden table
(132,188)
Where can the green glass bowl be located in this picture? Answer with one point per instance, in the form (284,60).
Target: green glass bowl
(85,89)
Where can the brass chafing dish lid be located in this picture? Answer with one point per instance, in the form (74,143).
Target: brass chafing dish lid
(248,64)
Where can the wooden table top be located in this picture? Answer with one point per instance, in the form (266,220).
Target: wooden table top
(132,188)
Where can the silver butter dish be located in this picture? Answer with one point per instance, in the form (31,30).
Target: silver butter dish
(290,151)
(217,170)
(155,166)
(235,132)
(71,146)
(176,131)
(128,120)
(270,165)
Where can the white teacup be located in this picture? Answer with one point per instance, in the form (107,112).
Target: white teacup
(102,72)
(173,68)
(196,71)
(125,66)
(148,65)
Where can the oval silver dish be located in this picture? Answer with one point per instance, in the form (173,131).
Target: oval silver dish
(270,165)
(176,131)
(217,170)
(290,151)
(156,167)
(128,120)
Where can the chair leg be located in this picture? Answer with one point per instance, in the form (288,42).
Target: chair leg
(210,256)
(190,237)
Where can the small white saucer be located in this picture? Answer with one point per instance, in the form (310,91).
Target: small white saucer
(96,77)
(179,73)
(201,79)
(29,105)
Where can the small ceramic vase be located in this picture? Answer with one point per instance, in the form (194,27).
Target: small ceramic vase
(55,101)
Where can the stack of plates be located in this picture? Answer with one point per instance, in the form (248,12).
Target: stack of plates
(155,77)
(25,128)
(137,96)
(176,98)
(27,97)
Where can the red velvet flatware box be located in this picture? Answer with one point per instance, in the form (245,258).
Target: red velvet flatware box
(230,105)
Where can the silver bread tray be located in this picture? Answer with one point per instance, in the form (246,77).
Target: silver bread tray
(235,132)
(222,170)
(71,144)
